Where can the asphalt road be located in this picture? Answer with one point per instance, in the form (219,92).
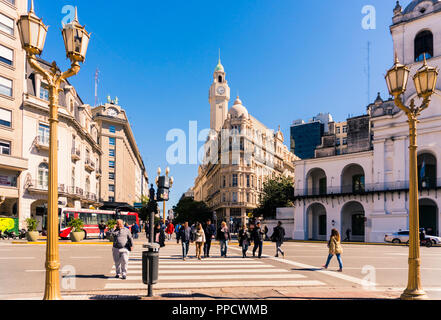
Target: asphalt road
(88,268)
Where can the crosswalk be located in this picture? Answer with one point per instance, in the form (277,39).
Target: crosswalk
(216,272)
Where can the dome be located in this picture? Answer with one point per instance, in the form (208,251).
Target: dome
(219,67)
(414,3)
(238,110)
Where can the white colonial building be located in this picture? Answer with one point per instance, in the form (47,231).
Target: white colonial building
(365,189)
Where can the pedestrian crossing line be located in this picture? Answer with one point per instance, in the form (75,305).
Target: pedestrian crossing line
(212,271)
(179,263)
(218,277)
(220,284)
(219,266)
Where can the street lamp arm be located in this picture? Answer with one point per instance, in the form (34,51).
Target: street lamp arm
(73,70)
(48,76)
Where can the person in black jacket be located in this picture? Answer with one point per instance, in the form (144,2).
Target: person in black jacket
(184,234)
(257,236)
(210,232)
(244,240)
(159,236)
(277,237)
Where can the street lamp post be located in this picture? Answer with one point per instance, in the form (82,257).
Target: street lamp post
(425,84)
(76,39)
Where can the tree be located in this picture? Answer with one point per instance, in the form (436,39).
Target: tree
(277,193)
(192,211)
(147,207)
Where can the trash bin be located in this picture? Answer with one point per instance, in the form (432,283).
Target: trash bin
(150,263)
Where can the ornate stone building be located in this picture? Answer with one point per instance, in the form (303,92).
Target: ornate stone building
(240,155)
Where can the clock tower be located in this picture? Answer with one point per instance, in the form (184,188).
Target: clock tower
(218,96)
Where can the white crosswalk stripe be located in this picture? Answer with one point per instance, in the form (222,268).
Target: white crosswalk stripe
(216,272)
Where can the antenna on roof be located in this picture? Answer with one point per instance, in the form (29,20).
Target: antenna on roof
(96,86)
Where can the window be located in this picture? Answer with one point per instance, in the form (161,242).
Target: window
(89,218)
(112,164)
(248,181)
(6,24)
(234,196)
(111,187)
(358,183)
(338,130)
(5,117)
(345,129)
(234,180)
(111,199)
(111,175)
(423,45)
(337,142)
(73,178)
(6,55)
(112,129)
(345,141)
(111,152)
(224,182)
(44,91)
(5,86)
(43,134)
(112,141)
(219,79)
(5,147)
(248,197)
(43,175)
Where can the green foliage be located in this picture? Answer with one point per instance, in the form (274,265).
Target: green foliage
(111,223)
(277,193)
(144,212)
(76,225)
(192,211)
(31,224)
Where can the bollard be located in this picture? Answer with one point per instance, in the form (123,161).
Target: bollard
(150,266)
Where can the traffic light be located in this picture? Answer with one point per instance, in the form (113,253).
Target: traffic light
(162,194)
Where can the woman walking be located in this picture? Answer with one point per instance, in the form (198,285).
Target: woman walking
(244,240)
(159,236)
(334,246)
(169,230)
(223,235)
(200,240)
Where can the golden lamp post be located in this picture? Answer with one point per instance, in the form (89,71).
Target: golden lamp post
(164,184)
(425,84)
(76,39)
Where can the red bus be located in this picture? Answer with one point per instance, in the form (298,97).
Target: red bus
(91,219)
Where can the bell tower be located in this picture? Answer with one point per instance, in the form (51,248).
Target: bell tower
(218,96)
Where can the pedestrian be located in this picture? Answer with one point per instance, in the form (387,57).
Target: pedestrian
(334,245)
(210,232)
(184,235)
(159,236)
(199,240)
(135,230)
(278,236)
(265,232)
(122,244)
(348,235)
(257,236)
(169,230)
(102,227)
(223,235)
(244,239)
(126,225)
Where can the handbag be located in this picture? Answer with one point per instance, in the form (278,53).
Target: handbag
(129,244)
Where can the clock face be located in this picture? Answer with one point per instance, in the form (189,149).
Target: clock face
(112,112)
(221,90)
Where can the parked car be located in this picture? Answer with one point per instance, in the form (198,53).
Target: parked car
(402,236)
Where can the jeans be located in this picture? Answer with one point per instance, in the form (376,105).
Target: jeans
(185,247)
(279,248)
(223,247)
(338,259)
(258,244)
(207,246)
(245,248)
(101,233)
(135,235)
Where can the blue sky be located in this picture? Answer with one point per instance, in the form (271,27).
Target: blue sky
(288,59)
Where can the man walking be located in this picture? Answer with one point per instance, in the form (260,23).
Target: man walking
(102,227)
(135,230)
(184,235)
(122,244)
(277,237)
(258,240)
(210,232)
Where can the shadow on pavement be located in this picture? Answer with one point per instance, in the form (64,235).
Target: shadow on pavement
(90,276)
(114,297)
(306,269)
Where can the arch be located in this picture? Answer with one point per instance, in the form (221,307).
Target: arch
(38,212)
(316,222)
(219,79)
(353,221)
(316,182)
(429,216)
(423,45)
(427,170)
(352,179)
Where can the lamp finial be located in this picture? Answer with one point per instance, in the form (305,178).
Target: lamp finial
(76,14)
(32,6)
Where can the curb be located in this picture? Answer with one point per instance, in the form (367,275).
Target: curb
(358,243)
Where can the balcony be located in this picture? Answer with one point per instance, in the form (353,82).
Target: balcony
(98,173)
(89,165)
(91,197)
(42,143)
(76,154)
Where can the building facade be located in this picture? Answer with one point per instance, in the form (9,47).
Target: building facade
(366,190)
(12,69)
(124,177)
(240,155)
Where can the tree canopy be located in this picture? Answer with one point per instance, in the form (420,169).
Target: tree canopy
(277,193)
(192,211)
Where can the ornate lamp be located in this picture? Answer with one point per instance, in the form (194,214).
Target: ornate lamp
(76,40)
(425,80)
(396,78)
(32,32)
